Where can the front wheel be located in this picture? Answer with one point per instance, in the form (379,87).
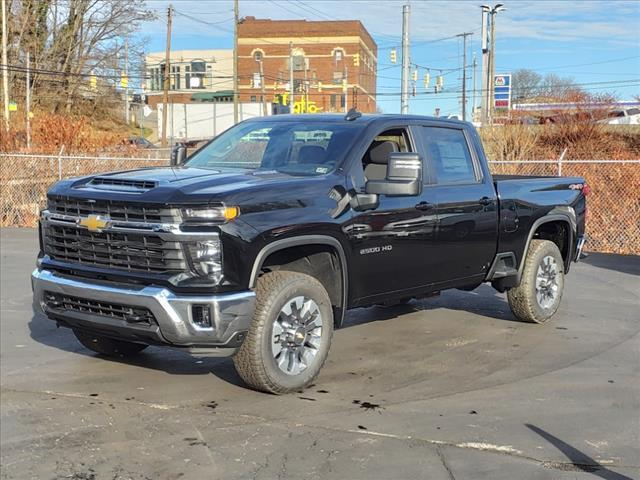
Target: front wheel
(290,334)
(538,296)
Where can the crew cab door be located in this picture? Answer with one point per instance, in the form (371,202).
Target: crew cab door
(467,206)
(391,244)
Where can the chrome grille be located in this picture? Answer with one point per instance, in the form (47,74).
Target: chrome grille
(128,313)
(116,211)
(140,252)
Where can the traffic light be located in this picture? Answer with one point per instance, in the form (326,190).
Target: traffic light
(93,81)
(427,79)
(356,60)
(439,83)
(414,75)
(393,56)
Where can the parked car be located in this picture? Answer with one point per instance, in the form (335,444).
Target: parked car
(256,249)
(140,142)
(624,116)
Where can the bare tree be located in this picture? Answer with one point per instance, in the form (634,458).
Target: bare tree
(530,86)
(70,40)
(525,84)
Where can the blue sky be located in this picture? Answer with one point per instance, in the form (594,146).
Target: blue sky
(595,42)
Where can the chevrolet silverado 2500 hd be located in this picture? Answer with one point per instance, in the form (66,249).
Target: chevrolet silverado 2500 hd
(257,244)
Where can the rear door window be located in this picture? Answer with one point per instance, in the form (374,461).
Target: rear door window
(450,157)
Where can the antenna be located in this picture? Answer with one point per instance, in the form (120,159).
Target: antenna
(352,114)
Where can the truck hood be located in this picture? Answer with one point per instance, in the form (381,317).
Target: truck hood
(183,185)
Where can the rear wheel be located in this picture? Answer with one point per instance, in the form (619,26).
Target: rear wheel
(538,296)
(290,335)
(108,346)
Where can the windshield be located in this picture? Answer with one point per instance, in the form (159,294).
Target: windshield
(312,148)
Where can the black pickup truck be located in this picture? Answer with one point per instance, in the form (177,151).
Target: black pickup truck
(257,244)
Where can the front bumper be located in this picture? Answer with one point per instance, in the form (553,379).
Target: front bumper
(173,323)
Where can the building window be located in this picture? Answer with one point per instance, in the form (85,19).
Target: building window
(175,77)
(298,63)
(337,77)
(338,55)
(253,98)
(333,101)
(196,80)
(257,80)
(257,56)
(343,100)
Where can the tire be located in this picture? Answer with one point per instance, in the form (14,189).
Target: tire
(266,361)
(108,346)
(538,296)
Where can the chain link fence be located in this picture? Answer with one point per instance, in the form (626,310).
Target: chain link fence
(613,222)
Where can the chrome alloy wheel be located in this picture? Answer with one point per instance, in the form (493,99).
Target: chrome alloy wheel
(297,334)
(547,282)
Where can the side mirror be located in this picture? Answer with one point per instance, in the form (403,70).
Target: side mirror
(404,176)
(178,154)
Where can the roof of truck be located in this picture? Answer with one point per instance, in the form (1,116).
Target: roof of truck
(365,118)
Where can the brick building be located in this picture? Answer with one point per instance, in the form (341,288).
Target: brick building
(334,63)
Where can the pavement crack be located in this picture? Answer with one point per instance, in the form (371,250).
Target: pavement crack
(445,464)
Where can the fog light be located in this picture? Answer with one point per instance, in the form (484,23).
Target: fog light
(201,315)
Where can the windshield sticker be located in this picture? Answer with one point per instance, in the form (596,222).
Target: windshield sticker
(322,170)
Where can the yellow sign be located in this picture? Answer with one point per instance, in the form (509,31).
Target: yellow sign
(94,223)
(124,80)
(301,106)
(13,107)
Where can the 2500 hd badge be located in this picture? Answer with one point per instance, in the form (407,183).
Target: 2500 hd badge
(383,248)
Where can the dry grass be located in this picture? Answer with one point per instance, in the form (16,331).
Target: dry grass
(583,141)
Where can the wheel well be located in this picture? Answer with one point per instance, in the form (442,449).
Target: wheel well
(558,232)
(319,261)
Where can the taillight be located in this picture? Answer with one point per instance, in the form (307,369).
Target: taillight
(586,189)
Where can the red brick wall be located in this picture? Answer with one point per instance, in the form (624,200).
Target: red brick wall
(322,65)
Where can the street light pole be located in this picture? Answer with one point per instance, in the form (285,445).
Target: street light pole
(404,95)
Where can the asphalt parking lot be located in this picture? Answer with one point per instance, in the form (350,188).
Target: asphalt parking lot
(445,388)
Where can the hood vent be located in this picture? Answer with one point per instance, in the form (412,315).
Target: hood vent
(120,184)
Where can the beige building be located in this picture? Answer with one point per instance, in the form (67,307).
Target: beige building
(195,76)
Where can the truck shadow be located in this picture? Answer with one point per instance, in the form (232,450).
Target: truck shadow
(176,362)
(620,263)
(483,301)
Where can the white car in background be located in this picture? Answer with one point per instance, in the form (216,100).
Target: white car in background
(627,116)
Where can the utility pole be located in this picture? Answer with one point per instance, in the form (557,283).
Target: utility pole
(5,67)
(464,74)
(492,66)
(473,81)
(262,89)
(28,100)
(291,89)
(236,93)
(345,91)
(167,64)
(126,76)
(404,95)
(484,90)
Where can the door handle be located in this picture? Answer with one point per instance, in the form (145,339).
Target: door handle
(425,206)
(485,201)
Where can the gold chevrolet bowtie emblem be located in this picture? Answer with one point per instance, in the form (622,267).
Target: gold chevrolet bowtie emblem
(94,223)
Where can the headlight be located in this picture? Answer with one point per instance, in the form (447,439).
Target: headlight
(206,258)
(219,214)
